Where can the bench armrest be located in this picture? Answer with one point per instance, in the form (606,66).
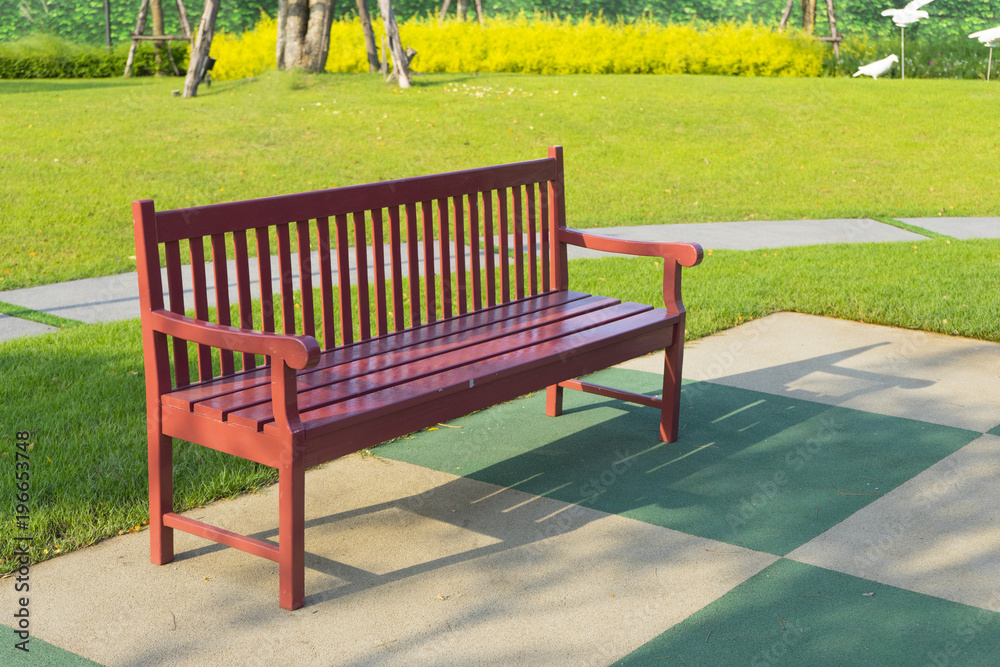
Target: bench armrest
(674,256)
(294,353)
(299,352)
(685,254)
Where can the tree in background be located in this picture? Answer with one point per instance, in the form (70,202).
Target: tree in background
(156,14)
(400,60)
(366,28)
(303,34)
(809,16)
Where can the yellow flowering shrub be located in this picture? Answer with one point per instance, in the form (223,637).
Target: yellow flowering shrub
(247,54)
(546,45)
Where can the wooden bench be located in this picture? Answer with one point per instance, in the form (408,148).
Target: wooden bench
(464,304)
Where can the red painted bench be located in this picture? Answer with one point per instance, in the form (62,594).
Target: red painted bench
(465,304)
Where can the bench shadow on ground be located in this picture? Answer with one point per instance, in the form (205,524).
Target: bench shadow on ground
(821,376)
(759,471)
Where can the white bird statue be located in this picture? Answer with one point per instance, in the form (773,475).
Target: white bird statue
(911,13)
(989,38)
(877,68)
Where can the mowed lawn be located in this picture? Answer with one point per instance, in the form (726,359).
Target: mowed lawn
(639,149)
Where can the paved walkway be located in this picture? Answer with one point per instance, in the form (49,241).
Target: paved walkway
(117,297)
(831,501)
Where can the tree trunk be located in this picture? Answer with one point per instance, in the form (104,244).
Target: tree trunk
(809,16)
(202,45)
(303,34)
(366,27)
(156,14)
(400,64)
(279,47)
(462,9)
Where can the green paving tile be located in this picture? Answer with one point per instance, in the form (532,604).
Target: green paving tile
(761,471)
(797,614)
(995,431)
(39,653)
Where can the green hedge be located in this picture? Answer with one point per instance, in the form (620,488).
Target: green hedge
(44,57)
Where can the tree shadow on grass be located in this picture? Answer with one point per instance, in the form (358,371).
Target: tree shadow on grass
(12,86)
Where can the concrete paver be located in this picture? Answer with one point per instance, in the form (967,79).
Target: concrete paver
(405,566)
(959,228)
(112,298)
(758,234)
(913,374)
(15,327)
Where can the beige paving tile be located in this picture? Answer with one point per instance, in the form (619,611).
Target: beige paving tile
(937,534)
(406,566)
(913,374)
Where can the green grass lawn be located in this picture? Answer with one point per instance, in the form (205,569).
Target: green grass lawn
(639,149)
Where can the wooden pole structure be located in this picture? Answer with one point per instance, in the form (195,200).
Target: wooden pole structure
(199,52)
(140,27)
(787,13)
(902,53)
(400,63)
(366,28)
(107,24)
(831,17)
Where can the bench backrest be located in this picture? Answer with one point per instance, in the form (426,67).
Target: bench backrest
(350,263)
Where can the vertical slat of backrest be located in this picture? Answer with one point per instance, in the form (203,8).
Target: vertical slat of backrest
(529,192)
(458,222)
(395,248)
(305,278)
(412,260)
(361,265)
(344,281)
(489,249)
(543,228)
(243,293)
(444,256)
(518,242)
(221,275)
(264,274)
(474,263)
(175,292)
(285,279)
(326,282)
(378,260)
(557,220)
(199,289)
(430,289)
(503,233)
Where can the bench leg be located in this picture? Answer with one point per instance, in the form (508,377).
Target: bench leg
(161,498)
(291,534)
(554,401)
(671,411)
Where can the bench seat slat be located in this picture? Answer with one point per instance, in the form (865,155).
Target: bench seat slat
(420,373)
(185,397)
(585,312)
(384,402)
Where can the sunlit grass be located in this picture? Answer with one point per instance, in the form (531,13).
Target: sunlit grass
(639,149)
